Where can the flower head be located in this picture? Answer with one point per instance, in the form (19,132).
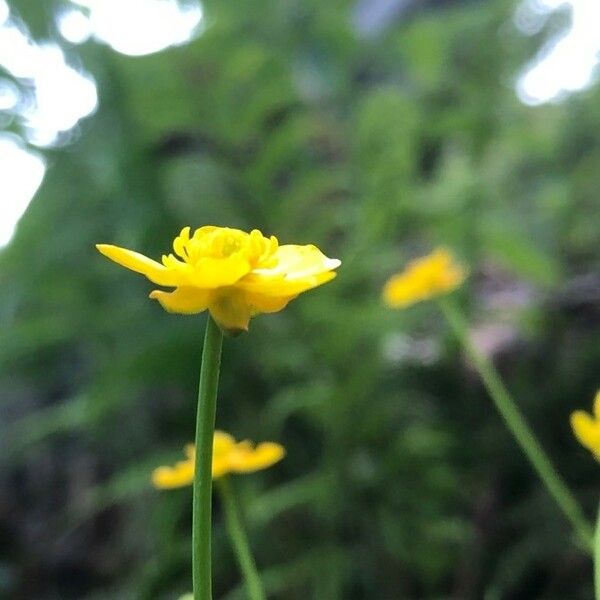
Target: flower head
(424,278)
(229,456)
(232,274)
(587,427)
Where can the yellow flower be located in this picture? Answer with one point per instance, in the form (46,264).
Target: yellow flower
(424,278)
(587,427)
(232,274)
(229,456)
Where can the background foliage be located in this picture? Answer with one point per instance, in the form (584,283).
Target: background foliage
(400,481)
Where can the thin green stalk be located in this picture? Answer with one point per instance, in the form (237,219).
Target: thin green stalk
(518,426)
(239,541)
(597,557)
(205,426)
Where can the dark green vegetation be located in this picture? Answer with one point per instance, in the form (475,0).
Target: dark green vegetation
(400,480)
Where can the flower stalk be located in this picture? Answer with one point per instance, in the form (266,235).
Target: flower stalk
(239,540)
(205,426)
(234,275)
(521,431)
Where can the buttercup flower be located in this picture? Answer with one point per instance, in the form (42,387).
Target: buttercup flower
(424,278)
(587,427)
(233,274)
(229,456)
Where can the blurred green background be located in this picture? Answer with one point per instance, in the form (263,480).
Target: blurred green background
(376,130)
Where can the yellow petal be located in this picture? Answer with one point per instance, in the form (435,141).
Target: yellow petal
(180,475)
(424,278)
(586,430)
(291,270)
(180,242)
(184,300)
(222,443)
(228,457)
(247,460)
(282,287)
(230,310)
(212,273)
(139,263)
(220,466)
(260,303)
(398,292)
(300,262)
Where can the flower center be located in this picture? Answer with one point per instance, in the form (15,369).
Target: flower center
(225,244)
(222,243)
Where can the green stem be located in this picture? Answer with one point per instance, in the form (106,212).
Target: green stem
(597,557)
(518,426)
(205,426)
(239,541)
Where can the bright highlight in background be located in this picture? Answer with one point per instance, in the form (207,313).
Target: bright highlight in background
(62,95)
(568,62)
(74,26)
(57,96)
(132,27)
(21,173)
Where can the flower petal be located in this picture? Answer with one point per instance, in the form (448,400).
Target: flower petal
(220,466)
(230,310)
(260,303)
(185,300)
(423,278)
(228,456)
(139,263)
(586,430)
(222,443)
(219,272)
(295,269)
(300,262)
(296,262)
(180,475)
(263,456)
(179,243)
(399,292)
(281,286)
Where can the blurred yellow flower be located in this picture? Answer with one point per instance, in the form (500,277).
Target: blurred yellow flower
(229,456)
(587,427)
(232,274)
(424,278)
